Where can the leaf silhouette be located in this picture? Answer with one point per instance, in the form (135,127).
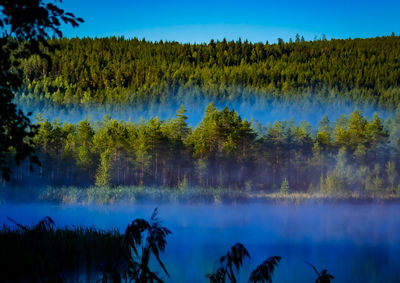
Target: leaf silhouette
(323,277)
(233,258)
(263,272)
(145,239)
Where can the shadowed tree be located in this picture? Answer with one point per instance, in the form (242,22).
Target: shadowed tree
(84,143)
(25,26)
(391,174)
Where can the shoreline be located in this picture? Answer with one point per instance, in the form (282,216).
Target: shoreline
(134,195)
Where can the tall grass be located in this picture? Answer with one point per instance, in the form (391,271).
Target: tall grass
(44,254)
(56,255)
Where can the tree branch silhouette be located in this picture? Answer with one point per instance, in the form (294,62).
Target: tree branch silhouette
(25,27)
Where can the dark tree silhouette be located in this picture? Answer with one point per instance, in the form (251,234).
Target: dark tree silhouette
(25,27)
(323,277)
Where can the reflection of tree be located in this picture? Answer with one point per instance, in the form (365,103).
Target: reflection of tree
(25,26)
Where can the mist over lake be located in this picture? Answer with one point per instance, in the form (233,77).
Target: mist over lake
(171,141)
(258,108)
(355,243)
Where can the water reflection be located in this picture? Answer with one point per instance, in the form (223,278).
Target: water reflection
(356,243)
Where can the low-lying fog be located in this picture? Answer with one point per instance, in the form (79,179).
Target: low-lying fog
(261,109)
(355,243)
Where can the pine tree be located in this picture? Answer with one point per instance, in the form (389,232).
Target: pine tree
(104,172)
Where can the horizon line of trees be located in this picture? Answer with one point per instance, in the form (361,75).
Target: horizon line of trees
(113,70)
(350,155)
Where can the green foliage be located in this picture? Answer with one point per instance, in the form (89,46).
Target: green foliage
(222,151)
(103,175)
(331,184)
(285,187)
(129,71)
(376,182)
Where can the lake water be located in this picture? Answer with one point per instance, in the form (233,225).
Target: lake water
(355,243)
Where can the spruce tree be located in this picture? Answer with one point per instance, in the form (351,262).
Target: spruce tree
(285,187)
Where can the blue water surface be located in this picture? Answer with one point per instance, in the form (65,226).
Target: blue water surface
(355,243)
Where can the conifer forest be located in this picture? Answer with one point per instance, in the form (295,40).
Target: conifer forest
(352,154)
(199,141)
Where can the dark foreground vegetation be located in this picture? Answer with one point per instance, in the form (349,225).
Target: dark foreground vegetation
(353,155)
(45,254)
(233,260)
(118,71)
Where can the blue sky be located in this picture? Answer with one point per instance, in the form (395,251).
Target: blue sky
(257,21)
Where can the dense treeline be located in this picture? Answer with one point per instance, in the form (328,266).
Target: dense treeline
(120,71)
(352,154)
